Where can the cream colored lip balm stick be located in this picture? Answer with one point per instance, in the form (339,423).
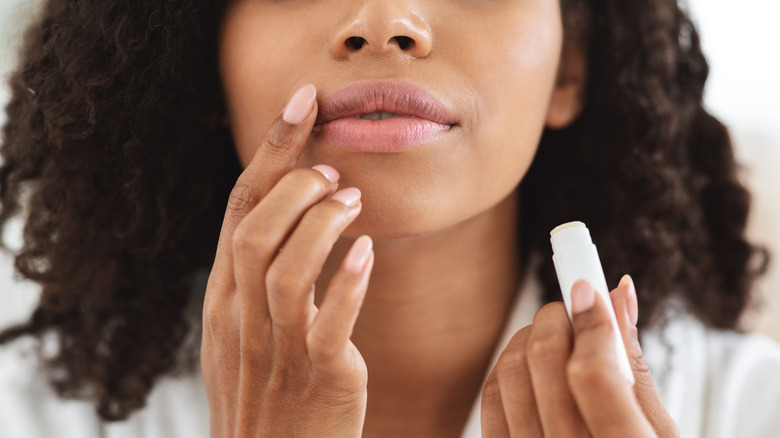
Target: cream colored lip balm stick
(575,257)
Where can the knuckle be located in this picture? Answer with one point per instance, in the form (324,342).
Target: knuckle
(217,284)
(592,374)
(550,310)
(591,322)
(279,142)
(519,340)
(511,363)
(326,216)
(638,363)
(543,349)
(243,197)
(282,277)
(513,358)
(322,348)
(216,320)
(306,181)
(247,243)
(634,349)
(212,316)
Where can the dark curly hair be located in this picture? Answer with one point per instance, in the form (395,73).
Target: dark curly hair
(114,153)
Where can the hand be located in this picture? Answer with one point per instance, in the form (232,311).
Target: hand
(562,380)
(273,363)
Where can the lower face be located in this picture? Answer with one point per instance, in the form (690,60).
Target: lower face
(492,64)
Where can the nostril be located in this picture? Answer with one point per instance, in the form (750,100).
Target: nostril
(355,43)
(404,42)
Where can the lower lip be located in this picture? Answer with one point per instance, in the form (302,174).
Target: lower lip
(388,135)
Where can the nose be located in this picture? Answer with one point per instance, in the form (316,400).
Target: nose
(380,27)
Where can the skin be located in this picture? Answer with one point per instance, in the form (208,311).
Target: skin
(427,189)
(404,354)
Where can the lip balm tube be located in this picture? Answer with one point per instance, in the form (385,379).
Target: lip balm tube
(575,257)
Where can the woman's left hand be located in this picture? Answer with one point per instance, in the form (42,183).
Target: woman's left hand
(558,379)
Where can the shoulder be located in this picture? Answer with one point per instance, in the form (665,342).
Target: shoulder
(29,407)
(177,407)
(743,354)
(745,381)
(716,383)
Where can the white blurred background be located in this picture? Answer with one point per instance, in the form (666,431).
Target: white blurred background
(742,42)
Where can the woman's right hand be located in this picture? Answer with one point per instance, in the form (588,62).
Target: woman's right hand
(273,363)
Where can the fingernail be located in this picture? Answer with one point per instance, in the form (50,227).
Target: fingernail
(582,296)
(300,105)
(358,254)
(632,305)
(348,197)
(330,173)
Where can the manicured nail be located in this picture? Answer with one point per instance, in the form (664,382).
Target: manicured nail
(632,305)
(300,105)
(358,254)
(330,173)
(582,296)
(348,197)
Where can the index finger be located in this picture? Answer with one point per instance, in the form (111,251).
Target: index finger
(277,154)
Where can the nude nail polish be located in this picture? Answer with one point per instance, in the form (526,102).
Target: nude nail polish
(632,305)
(330,173)
(300,105)
(358,254)
(348,197)
(582,296)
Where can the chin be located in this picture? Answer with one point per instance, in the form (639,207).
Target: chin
(387,223)
(405,218)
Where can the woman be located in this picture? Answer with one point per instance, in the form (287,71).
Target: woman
(455,135)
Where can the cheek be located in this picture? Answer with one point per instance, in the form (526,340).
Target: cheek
(513,68)
(259,71)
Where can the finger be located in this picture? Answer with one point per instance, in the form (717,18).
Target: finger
(624,301)
(261,233)
(517,393)
(328,337)
(603,395)
(492,419)
(548,350)
(292,274)
(275,156)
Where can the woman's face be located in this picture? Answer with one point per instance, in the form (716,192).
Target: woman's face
(492,65)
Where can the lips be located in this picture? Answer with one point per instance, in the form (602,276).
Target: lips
(381,117)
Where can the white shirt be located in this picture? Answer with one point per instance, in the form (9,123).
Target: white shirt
(714,384)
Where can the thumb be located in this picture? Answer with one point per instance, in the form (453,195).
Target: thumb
(624,301)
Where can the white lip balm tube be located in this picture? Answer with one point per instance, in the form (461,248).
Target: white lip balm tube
(575,257)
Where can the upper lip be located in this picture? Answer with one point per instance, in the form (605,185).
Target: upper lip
(359,98)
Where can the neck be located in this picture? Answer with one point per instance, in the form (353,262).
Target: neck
(433,313)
